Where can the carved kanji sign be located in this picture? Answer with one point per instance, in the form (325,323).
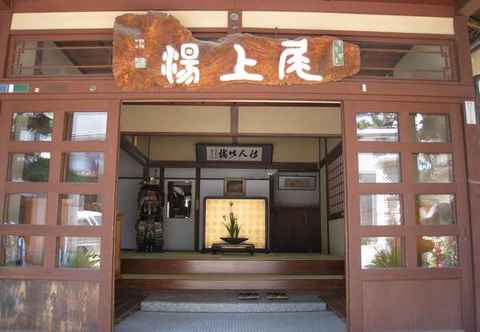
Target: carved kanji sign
(155,50)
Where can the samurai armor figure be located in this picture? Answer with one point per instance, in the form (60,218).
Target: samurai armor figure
(149,226)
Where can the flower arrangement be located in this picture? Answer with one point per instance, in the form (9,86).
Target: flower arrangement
(231,223)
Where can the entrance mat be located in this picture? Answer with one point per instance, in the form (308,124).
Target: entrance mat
(230,302)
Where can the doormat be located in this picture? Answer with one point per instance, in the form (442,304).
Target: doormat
(275,296)
(248,296)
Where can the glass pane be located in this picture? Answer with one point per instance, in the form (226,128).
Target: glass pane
(79,252)
(437,251)
(22,251)
(430,128)
(382,127)
(436,209)
(62,57)
(86,126)
(32,127)
(26,209)
(410,61)
(83,166)
(379,167)
(45,305)
(29,167)
(434,168)
(80,210)
(380,210)
(381,252)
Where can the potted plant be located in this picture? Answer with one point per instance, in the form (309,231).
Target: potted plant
(230,221)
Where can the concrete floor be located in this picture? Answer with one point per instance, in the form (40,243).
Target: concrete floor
(232,322)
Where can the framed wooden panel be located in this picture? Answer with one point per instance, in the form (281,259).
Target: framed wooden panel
(427,289)
(78,255)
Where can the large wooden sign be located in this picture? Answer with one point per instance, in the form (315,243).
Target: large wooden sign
(155,50)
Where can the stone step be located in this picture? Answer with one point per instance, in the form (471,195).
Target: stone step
(228,302)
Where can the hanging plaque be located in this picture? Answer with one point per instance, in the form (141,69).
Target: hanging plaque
(155,50)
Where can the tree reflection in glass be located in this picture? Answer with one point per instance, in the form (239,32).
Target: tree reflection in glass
(83,166)
(32,127)
(379,167)
(381,252)
(430,128)
(434,167)
(29,167)
(382,127)
(437,251)
(436,209)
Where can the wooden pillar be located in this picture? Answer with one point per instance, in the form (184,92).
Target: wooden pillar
(5,21)
(472,152)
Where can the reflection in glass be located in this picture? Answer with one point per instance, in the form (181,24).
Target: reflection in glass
(26,209)
(379,167)
(381,252)
(21,251)
(86,126)
(381,127)
(179,204)
(430,128)
(436,209)
(29,167)
(434,168)
(80,210)
(380,210)
(437,251)
(79,252)
(32,127)
(83,166)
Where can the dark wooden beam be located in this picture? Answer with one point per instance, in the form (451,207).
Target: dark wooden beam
(193,164)
(133,151)
(6,4)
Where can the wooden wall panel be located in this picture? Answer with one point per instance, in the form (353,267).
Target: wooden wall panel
(412,305)
(49,305)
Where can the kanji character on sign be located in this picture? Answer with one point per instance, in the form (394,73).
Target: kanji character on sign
(190,72)
(188,56)
(294,56)
(239,72)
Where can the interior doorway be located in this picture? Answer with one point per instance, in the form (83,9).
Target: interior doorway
(289,203)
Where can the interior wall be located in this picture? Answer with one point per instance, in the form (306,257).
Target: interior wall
(175,119)
(293,149)
(304,120)
(297,198)
(333,231)
(127,192)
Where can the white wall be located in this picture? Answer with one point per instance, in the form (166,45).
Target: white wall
(337,237)
(336,228)
(296,197)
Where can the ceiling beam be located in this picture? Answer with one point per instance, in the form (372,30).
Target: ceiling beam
(469,8)
(6,4)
